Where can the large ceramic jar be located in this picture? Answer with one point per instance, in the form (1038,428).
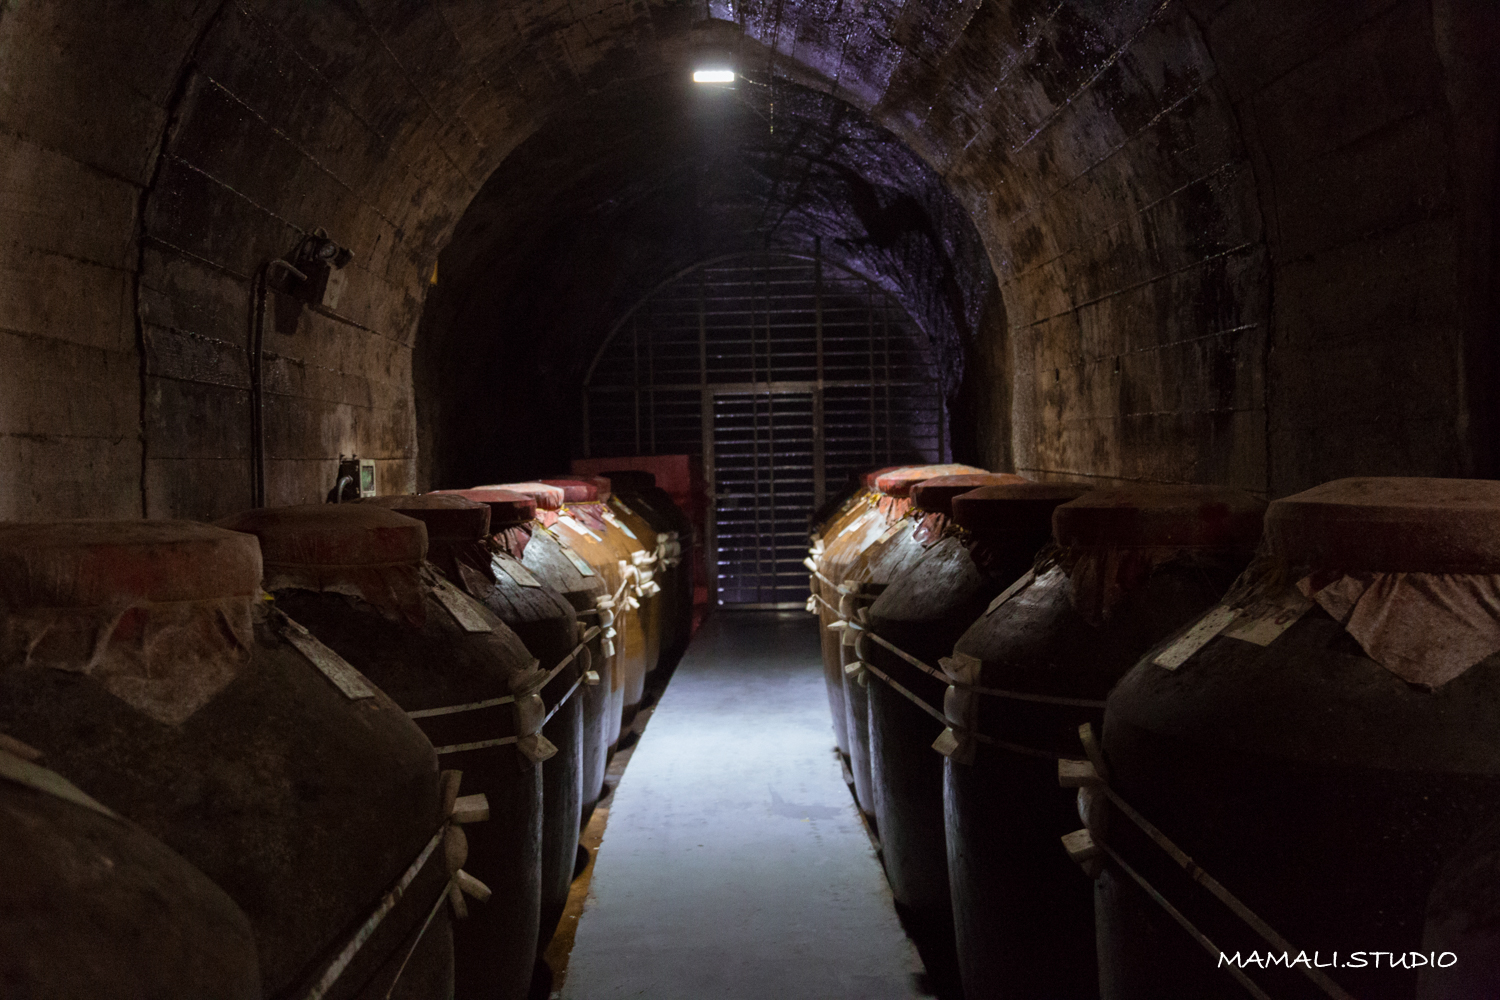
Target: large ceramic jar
(877,512)
(1322,744)
(923,526)
(916,620)
(585,508)
(91,905)
(645,554)
(855,514)
(603,550)
(636,490)
(1130,566)
(590,554)
(519,546)
(458,544)
(356,577)
(140,660)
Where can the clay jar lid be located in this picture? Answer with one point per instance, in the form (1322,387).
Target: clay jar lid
(507,507)
(936,495)
(575,490)
(1209,517)
(1020,510)
(449,518)
(1390,524)
(899,483)
(867,479)
(631,479)
(86,563)
(546,497)
(603,489)
(333,535)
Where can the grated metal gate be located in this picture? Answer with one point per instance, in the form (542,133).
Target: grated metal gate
(806,373)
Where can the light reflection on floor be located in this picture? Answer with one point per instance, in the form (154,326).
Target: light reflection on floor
(734,864)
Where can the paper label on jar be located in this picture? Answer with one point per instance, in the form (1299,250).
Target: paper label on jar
(513,569)
(578,562)
(1010,591)
(1195,638)
(576,526)
(890,532)
(1263,622)
(461,607)
(330,664)
(610,517)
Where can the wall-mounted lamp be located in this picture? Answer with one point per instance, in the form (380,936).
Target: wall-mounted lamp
(713,76)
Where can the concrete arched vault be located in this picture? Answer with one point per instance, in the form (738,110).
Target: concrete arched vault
(1242,241)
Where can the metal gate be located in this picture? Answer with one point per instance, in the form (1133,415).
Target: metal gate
(763,487)
(783,374)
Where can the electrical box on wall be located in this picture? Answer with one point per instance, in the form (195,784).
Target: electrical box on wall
(355,479)
(312,275)
(321,262)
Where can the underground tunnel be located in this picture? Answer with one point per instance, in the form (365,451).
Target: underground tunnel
(966,499)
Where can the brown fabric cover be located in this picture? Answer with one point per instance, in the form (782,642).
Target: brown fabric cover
(1111,541)
(457,537)
(1170,516)
(899,483)
(867,479)
(87,563)
(158,612)
(1426,628)
(507,507)
(998,511)
(575,490)
(546,497)
(448,517)
(603,488)
(1390,525)
(936,495)
(356,549)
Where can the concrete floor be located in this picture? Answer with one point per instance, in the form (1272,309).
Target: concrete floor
(734,863)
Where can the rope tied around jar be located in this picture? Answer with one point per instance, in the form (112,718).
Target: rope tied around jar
(1089,846)
(456,811)
(959,736)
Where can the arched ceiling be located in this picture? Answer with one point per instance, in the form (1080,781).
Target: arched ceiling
(1239,241)
(619,192)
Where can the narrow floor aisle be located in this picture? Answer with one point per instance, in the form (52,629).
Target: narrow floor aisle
(734,863)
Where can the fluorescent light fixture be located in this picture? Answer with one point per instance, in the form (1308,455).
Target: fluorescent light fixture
(713,76)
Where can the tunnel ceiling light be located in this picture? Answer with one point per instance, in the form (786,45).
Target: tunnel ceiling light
(713,76)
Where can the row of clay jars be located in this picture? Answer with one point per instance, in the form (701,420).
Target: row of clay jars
(640,503)
(356,577)
(459,532)
(869,513)
(294,531)
(1127,568)
(141,666)
(635,493)
(836,540)
(590,529)
(642,514)
(1322,744)
(922,612)
(924,525)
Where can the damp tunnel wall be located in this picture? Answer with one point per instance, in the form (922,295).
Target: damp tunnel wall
(1231,241)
